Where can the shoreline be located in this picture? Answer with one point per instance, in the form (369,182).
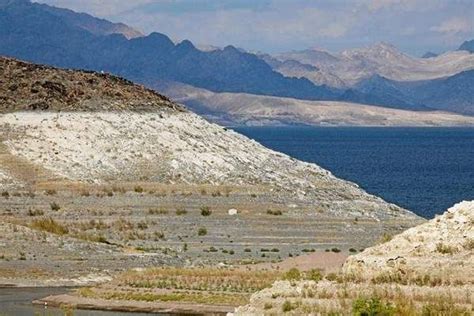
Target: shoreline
(81,303)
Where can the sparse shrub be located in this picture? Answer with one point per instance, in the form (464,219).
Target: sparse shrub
(275,250)
(385,238)
(352,250)
(267,306)
(181,211)
(287,306)
(231,252)
(205,211)
(138,189)
(469,244)
(445,249)
(212,249)
(155,211)
(336,250)
(159,235)
(55,206)
(371,306)
(35,212)
(142,225)
(51,192)
(443,307)
(85,193)
(202,231)
(5,194)
(247,250)
(292,275)
(331,276)
(274,212)
(314,275)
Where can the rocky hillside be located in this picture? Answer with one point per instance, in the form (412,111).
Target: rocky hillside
(26,86)
(445,242)
(426,270)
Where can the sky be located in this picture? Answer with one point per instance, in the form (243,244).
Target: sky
(273,26)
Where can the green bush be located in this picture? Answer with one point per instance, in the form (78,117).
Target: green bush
(314,275)
(371,307)
(292,275)
(202,231)
(205,211)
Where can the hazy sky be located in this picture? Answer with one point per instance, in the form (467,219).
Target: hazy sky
(415,26)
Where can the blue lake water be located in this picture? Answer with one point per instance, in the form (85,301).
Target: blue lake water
(425,170)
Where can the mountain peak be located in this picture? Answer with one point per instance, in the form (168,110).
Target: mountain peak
(468,46)
(186,45)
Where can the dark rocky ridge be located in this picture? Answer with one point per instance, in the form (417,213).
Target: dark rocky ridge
(26,86)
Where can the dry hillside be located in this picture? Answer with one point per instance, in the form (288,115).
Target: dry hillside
(426,270)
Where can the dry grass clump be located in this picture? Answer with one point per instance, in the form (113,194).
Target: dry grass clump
(445,249)
(49,225)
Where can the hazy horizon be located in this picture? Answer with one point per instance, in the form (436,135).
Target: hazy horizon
(273,26)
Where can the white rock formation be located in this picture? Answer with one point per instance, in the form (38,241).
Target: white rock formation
(442,248)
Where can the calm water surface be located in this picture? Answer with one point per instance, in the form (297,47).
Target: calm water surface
(17,302)
(425,170)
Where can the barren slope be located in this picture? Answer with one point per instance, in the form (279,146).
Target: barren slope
(248,109)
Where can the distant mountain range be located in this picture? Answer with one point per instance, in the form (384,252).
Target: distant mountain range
(454,93)
(382,59)
(58,37)
(377,75)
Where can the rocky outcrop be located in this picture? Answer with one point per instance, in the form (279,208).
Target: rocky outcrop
(26,86)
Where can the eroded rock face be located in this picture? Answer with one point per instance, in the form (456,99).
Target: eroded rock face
(439,251)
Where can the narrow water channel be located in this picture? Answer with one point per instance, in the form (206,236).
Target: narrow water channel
(17,302)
